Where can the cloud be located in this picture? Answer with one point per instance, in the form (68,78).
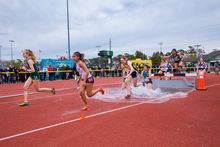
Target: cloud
(132,24)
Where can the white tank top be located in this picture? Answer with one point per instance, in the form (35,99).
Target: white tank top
(163,67)
(81,72)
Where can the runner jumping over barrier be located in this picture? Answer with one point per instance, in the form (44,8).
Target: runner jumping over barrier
(131,75)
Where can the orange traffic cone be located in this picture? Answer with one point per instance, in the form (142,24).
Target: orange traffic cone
(201,81)
(82,115)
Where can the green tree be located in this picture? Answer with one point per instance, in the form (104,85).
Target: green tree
(191,58)
(141,55)
(191,50)
(17,63)
(129,56)
(156,58)
(182,51)
(116,59)
(168,54)
(191,55)
(94,61)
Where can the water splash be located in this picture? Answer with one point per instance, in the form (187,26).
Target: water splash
(141,93)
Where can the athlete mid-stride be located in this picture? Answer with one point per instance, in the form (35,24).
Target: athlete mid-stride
(129,74)
(30,65)
(85,80)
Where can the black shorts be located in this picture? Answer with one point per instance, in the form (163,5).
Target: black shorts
(134,74)
(163,72)
(176,70)
(178,61)
(148,81)
(89,80)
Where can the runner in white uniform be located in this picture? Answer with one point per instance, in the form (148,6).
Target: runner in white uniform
(82,74)
(86,80)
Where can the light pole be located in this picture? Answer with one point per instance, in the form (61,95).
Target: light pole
(99,58)
(40,51)
(160,43)
(68,27)
(197,50)
(67,54)
(0,53)
(11,48)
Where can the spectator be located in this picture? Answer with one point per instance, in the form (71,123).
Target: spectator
(216,67)
(11,74)
(16,70)
(50,69)
(67,73)
(44,74)
(63,75)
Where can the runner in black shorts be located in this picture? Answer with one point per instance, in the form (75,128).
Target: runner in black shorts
(131,75)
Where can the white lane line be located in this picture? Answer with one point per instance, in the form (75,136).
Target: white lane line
(15,95)
(61,89)
(43,97)
(213,85)
(73,120)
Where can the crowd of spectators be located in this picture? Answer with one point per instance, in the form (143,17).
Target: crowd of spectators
(13,74)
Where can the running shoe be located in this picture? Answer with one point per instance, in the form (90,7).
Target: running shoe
(127,96)
(23,104)
(53,91)
(84,108)
(102,91)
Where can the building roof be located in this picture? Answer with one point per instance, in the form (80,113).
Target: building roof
(211,56)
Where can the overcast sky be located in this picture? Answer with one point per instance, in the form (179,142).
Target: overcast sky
(132,25)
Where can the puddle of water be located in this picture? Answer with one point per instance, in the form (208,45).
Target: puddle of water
(141,93)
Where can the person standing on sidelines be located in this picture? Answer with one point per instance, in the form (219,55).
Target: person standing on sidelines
(216,68)
(30,65)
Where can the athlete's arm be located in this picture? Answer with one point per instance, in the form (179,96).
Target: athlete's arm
(142,74)
(31,65)
(131,68)
(149,72)
(123,70)
(78,79)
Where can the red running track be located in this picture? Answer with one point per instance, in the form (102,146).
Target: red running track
(54,120)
